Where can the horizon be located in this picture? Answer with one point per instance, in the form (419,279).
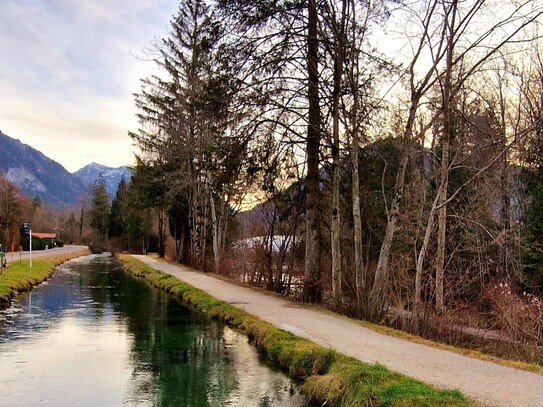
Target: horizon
(70,70)
(61,164)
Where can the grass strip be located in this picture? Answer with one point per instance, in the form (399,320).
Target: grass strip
(535,366)
(330,378)
(18,277)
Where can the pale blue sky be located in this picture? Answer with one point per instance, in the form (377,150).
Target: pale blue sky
(68,70)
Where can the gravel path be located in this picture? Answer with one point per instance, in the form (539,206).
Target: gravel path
(487,383)
(15,256)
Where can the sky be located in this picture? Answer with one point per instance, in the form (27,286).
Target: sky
(68,71)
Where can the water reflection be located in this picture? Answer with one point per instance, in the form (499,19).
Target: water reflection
(93,336)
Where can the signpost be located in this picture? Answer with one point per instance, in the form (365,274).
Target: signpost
(30,247)
(2,259)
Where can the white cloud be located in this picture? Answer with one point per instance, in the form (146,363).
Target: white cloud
(67,74)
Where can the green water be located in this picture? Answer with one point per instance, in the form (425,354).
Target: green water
(95,336)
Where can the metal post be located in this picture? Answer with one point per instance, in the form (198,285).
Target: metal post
(30,247)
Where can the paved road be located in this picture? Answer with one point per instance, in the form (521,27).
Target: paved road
(44,253)
(485,382)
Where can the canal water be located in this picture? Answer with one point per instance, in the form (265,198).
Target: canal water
(95,336)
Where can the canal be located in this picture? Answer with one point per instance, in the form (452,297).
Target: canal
(95,336)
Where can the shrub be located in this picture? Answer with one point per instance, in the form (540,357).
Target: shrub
(519,317)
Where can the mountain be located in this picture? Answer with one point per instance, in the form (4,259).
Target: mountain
(37,175)
(112,176)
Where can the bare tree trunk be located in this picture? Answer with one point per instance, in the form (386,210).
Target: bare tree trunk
(180,242)
(505,258)
(336,165)
(377,300)
(221,230)
(354,132)
(445,152)
(215,232)
(161,233)
(312,289)
(420,261)
(194,230)
(422,255)
(442,225)
(218,219)
(506,219)
(269,251)
(199,225)
(203,219)
(336,217)
(360,278)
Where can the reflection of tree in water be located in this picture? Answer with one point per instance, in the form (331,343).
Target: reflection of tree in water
(175,352)
(181,358)
(182,352)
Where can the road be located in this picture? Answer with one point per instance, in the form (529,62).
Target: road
(15,256)
(487,383)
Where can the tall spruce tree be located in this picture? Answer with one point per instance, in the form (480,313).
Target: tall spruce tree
(99,216)
(117,215)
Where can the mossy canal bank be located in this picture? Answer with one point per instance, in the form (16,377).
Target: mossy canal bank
(19,277)
(329,377)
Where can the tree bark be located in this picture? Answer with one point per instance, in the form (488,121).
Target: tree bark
(336,165)
(505,191)
(360,278)
(422,255)
(312,289)
(377,300)
(445,153)
(161,233)
(215,228)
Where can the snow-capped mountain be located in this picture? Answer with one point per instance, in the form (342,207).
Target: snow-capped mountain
(112,176)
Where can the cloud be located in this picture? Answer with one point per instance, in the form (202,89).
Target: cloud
(67,74)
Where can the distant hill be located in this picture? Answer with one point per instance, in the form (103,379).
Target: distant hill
(112,176)
(37,175)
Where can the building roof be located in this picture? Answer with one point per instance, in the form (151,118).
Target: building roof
(38,235)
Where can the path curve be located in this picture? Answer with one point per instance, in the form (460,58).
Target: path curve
(487,383)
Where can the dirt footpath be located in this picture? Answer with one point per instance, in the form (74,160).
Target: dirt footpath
(485,382)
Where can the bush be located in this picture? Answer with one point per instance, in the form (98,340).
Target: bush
(519,317)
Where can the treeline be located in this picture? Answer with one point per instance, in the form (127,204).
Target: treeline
(16,210)
(124,223)
(409,181)
(98,221)
(12,207)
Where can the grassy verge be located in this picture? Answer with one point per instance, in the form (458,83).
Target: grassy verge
(20,277)
(329,377)
(534,367)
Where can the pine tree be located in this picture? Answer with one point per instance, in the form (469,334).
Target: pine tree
(99,216)
(117,218)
